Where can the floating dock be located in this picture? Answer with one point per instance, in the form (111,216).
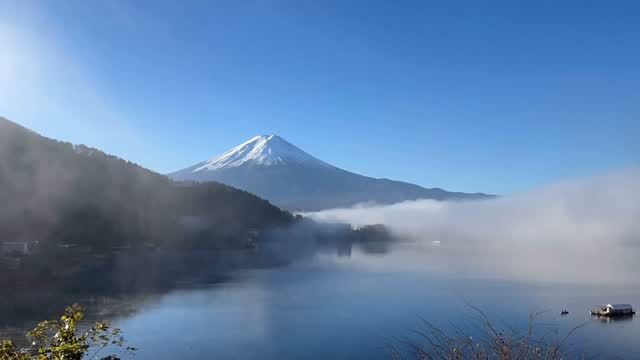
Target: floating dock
(613,310)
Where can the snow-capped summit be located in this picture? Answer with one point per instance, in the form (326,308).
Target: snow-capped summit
(277,170)
(266,150)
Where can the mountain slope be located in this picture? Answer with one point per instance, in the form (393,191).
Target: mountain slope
(54,192)
(274,169)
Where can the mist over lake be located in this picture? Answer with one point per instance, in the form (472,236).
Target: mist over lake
(509,257)
(583,230)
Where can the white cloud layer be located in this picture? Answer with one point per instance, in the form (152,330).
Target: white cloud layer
(585,230)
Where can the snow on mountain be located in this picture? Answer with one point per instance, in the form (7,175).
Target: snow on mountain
(280,172)
(263,150)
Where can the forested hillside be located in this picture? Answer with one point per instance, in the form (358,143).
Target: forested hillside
(57,194)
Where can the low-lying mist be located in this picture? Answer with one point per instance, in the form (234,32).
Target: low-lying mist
(583,230)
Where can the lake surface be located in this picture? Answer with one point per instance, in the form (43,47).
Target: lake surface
(345,307)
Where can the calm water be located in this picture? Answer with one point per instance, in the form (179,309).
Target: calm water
(354,306)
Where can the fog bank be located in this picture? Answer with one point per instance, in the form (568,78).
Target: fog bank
(584,230)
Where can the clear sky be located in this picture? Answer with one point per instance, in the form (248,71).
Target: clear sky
(493,96)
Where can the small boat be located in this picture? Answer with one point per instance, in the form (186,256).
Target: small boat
(564,312)
(613,310)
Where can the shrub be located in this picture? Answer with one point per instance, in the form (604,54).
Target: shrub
(61,339)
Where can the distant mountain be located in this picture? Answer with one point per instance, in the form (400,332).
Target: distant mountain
(280,172)
(56,193)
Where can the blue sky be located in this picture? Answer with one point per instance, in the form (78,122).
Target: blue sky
(493,96)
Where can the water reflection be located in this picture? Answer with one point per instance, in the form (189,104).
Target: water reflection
(123,284)
(614,319)
(338,299)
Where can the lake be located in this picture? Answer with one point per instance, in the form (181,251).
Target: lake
(355,306)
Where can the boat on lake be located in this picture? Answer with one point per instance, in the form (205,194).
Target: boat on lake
(613,310)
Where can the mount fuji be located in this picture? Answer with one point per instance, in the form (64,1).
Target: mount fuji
(280,172)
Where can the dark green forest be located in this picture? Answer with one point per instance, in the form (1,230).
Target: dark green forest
(55,194)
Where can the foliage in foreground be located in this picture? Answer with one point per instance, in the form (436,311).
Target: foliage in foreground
(495,344)
(62,340)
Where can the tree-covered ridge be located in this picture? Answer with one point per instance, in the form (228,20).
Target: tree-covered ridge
(58,194)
